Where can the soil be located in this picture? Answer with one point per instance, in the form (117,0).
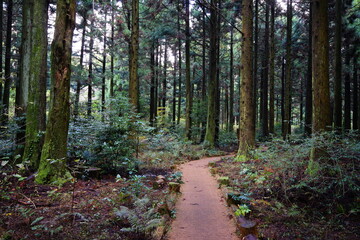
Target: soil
(201,211)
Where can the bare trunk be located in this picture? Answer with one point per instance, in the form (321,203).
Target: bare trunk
(133,65)
(338,71)
(308,101)
(188,120)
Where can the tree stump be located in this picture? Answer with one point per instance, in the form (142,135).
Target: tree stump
(247,227)
(174,187)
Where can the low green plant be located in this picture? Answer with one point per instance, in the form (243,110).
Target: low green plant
(242,210)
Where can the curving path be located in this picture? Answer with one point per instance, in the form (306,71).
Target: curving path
(201,212)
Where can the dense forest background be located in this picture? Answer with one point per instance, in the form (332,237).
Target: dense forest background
(91,82)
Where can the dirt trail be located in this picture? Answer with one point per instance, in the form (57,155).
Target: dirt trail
(201,213)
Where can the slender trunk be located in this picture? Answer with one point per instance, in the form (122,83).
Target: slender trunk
(103,84)
(247,116)
(355,95)
(78,82)
(36,109)
(347,95)
(133,64)
(156,93)
(283,65)
(180,60)
(212,91)
(112,49)
(55,145)
(7,85)
(288,82)
(231,100)
(174,89)
(188,120)
(301,100)
(265,79)
(164,77)
(158,75)
(272,70)
(1,57)
(308,100)
(22,86)
(90,75)
(338,71)
(152,85)
(255,66)
(203,83)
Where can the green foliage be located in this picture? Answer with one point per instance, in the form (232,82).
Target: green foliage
(242,210)
(143,218)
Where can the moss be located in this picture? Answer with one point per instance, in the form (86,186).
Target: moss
(241,158)
(224,181)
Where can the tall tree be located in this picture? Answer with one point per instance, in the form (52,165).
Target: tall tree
(36,109)
(1,58)
(188,120)
(90,70)
(231,85)
(133,61)
(288,82)
(355,94)
(247,117)
(320,72)
(347,87)
(308,99)
(53,157)
(6,96)
(337,80)
(22,85)
(164,77)
(152,84)
(265,79)
(180,60)
(256,50)
(272,69)
(103,83)
(212,91)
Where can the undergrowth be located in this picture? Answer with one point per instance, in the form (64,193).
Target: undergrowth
(282,192)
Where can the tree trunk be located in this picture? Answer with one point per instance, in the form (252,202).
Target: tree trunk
(212,91)
(1,58)
(308,100)
(355,95)
(231,103)
(255,66)
(180,60)
(90,75)
(6,96)
(164,77)
(152,85)
(272,69)
(338,71)
(133,65)
(347,95)
(288,82)
(53,157)
(36,109)
(320,73)
(203,83)
(174,89)
(265,79)
(113,6)
(247,116)
(103,84)
(78,82)
(22,86)
(188,120)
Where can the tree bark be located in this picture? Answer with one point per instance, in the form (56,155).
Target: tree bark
(188,119)
(288,82)
(53,157)
(6,96)
(265,79)
(133,65)
(255,66)
(78,82)
(174,89)
(180,60)
(355,95)
(231,85)
(152,85)
(1,58)
(103,83)
(308,100)
(338,71)
(22,86)
(36,109)
(272,70)
(247,116)
(212,91)
(164,77)
(90,73)
(347,90)
(320,73)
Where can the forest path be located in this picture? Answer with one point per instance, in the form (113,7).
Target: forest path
(201,212)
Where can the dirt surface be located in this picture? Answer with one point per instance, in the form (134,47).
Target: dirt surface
(201,211)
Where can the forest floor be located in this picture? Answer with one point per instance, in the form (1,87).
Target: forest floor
(201,211)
